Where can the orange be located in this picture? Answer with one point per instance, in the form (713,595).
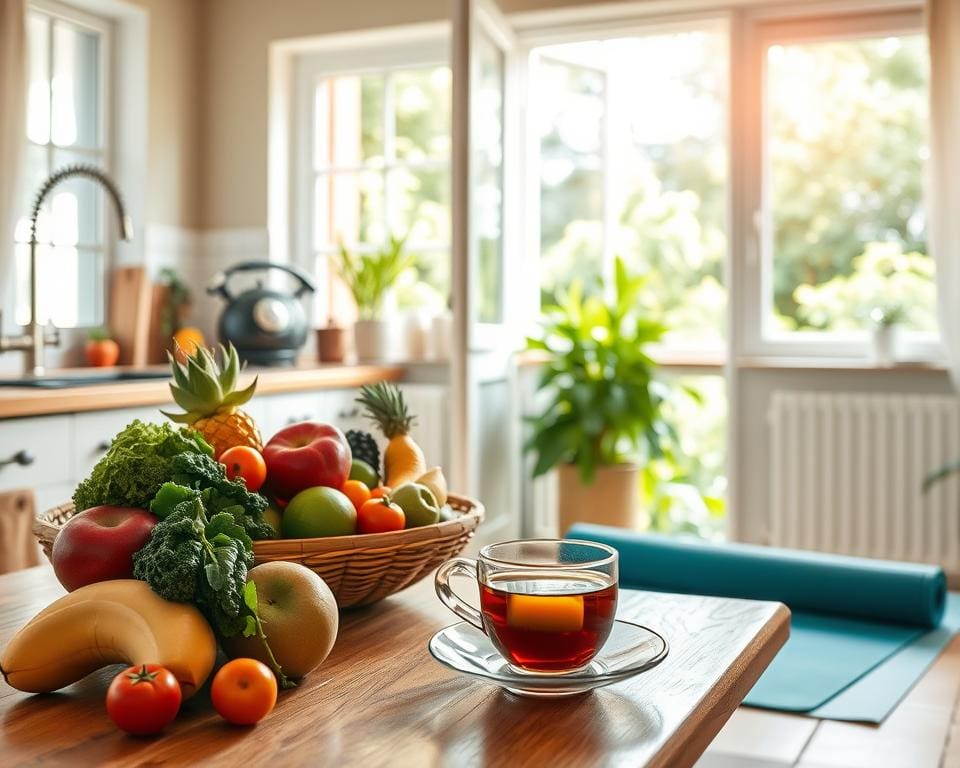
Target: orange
(244,691)
(357,492)
(186,341)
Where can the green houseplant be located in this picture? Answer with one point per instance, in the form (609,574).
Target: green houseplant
(369,278)
(602,410)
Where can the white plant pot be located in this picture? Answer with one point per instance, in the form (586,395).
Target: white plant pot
(372,341)
(440,337)
(885,344)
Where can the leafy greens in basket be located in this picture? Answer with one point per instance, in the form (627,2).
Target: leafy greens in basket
(137,463)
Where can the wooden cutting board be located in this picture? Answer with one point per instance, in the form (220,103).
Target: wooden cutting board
(130,304)
(157,352)
(18,547)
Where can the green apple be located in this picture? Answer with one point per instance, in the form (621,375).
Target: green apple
(319,511)
(360,470)
(418,504)
(299,614)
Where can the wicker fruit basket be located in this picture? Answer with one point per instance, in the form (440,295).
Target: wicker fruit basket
(359,569)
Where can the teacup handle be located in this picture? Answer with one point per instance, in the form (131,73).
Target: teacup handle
(466,567)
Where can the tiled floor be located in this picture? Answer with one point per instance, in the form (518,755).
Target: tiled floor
(922,732)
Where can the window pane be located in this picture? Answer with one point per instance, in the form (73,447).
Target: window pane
(420,204)
(76,205)
(570,111)
(35,172)
(488,201)
(348,207)
(422,114)
(348,121)
(38,95)
(76,86)
(71,286)
(847,143)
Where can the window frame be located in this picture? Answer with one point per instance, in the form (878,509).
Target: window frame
(103,155)
(756,337)
(379,52)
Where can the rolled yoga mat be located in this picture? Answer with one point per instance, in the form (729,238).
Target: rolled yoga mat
(849,614)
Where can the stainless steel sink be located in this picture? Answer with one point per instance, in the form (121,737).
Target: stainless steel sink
(83,379)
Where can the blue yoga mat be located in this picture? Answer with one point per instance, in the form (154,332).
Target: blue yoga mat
(850,615)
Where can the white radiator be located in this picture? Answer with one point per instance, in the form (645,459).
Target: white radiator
(847,471)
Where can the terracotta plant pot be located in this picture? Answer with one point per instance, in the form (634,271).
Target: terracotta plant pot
(332,344)
(612,498)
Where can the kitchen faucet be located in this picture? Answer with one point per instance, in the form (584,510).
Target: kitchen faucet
(35,336)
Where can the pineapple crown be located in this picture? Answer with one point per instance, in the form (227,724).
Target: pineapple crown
(384,405)
(201,387)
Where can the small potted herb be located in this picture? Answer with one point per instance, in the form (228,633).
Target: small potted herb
(101,351)
(370,278)
(601,413)
(886,320)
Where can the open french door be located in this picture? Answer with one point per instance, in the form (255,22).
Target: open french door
(487,306)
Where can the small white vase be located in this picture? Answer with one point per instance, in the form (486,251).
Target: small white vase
(885,345)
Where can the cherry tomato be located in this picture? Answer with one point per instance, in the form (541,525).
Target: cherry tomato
(143,700)
(380,515)
(357,492)
(247,464)
(381,492)
(244,691)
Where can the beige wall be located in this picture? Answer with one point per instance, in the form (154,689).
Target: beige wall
(235,40)
(174,114)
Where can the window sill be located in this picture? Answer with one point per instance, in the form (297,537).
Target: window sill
(710,362)
(853,365)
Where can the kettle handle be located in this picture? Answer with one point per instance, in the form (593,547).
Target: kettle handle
(218,283)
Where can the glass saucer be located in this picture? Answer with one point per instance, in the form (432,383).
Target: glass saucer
(630,650)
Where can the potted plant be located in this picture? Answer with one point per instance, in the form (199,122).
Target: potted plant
(603,408)
(886,319)
(101,351)
(370,278)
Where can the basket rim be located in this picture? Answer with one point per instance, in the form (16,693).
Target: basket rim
(472,513)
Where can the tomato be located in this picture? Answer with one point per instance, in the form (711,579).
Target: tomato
(381,492)
(378,516)
(143,700)
(357,492)
(247,464)
(244,691)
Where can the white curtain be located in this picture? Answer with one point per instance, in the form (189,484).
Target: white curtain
(943,23)
(13,106)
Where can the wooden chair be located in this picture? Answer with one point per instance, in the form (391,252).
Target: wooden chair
(18,547)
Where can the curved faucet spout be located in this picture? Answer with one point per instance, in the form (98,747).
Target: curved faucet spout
(36,338)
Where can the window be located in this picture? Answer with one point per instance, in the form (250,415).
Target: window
(380,159)
(66,123)
(846,143)
(633,159)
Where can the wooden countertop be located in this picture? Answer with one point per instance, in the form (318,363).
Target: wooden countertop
(30,401)
(380,699)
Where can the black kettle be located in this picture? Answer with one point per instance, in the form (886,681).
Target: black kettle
(267,326)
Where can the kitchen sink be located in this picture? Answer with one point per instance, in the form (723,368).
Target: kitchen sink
(83,379)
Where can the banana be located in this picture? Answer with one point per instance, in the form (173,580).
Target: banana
(110,622)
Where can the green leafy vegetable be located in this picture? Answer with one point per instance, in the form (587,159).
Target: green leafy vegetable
(137,464)
(200,472)
(169,497)
(195,556)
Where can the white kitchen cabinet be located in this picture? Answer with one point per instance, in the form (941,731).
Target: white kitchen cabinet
(283,410)
(48,440)
(94,430)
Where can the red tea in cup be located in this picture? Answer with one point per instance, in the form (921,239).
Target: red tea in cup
(548,623)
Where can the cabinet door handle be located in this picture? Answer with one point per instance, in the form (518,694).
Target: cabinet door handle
(23,458)
(104,445)
(351,414)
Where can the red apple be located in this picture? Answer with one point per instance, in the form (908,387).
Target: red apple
(99,543)
(305,455)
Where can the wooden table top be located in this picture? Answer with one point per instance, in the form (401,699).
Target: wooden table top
(36,401)
(380,699)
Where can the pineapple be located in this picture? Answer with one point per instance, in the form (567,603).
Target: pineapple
(208,395)
(403,460)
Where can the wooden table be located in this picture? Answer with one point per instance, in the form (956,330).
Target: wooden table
(380,699)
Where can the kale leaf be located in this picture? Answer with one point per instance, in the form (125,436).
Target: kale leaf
(137,463)
(202,473)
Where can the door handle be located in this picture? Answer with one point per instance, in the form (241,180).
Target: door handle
(103,445)
(24,458)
